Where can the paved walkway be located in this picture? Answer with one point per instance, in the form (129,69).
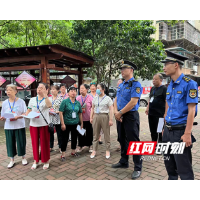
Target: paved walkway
(83,167)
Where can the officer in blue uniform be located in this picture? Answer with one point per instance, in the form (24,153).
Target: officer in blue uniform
(181,108)
(126,114)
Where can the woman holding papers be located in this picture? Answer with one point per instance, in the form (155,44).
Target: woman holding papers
(14,127)
(39,126)
(70,118)
(54,116)
(99,118)
(86,105)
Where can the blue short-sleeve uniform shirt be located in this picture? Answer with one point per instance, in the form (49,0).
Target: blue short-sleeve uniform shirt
(179,94)
(125,93)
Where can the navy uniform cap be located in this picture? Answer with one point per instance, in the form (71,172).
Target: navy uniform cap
(174,57)
(127,64)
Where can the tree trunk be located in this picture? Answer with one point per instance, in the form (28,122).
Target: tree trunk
(109,74)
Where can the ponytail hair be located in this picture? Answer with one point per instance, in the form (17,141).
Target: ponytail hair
(86,86)
(103,87)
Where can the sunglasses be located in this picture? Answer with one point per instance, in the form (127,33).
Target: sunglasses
(92,83)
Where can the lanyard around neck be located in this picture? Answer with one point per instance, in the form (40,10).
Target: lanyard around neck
(101,100)
(11,108)
(39,102)
(73,104)
(84,99)
(54,100)
(64,96)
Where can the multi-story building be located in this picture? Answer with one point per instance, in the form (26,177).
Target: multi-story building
(182,38)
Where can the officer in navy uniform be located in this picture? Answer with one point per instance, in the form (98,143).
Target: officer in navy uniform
(181,108)
(126,114)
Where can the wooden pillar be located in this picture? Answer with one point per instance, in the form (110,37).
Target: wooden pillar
(80,77)
(45,72)
(44,62)
(33,85)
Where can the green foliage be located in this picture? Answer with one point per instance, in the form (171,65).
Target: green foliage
(18,33)
(111,40)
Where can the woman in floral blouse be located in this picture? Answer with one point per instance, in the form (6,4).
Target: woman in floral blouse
(54,115)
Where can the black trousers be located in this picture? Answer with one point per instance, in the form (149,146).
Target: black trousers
(178,164)
(86,140)
(128,131)
(65,137)
(58,131)
(153,124)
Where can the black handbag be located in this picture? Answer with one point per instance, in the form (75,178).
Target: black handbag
(51,126)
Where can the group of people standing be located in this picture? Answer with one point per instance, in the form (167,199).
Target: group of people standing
(94,112)
(65,111)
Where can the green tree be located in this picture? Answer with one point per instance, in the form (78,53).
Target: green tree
(18,33)
(111,40)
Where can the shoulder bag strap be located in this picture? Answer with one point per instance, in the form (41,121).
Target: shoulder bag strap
(43,116)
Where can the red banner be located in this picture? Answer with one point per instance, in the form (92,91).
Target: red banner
(146,90)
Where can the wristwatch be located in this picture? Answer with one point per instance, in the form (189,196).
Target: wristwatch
(121,112)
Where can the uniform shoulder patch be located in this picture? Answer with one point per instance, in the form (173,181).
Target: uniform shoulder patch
(187,79)
(138,90)
(193,93)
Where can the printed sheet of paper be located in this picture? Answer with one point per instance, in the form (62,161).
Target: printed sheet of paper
(31,115)
(9,115)
(81,131)
(160,125)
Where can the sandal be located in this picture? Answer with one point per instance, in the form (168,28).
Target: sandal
(34,166)
(74,154)
(62,158)
(46,166)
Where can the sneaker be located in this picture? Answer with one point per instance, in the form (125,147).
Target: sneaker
(24,162)
(11,164)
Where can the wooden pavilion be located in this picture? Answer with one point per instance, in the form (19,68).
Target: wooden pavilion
(43,61)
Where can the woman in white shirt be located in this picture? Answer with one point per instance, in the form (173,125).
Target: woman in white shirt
(39,126)
(14,127)
(101,106)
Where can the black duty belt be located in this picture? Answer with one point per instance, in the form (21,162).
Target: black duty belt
(176,127)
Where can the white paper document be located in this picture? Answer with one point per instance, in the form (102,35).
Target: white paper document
(81,131)
(9,115)
(160,125)
(31,115)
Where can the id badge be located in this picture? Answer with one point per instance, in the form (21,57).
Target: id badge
(73,115)
(97,109)
(151,100)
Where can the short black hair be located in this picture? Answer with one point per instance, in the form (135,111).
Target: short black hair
(45,85)
(86,86)
(56,87)
(72,88)
(63,84)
